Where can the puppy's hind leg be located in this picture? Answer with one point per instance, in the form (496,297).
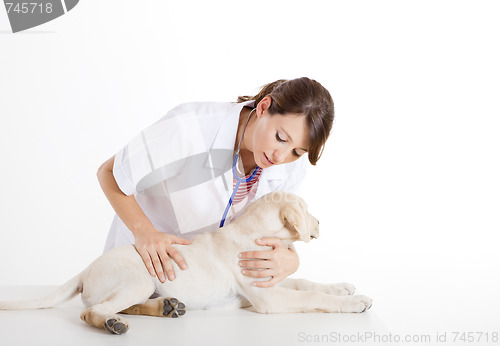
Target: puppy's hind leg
(104,315)
(160,307)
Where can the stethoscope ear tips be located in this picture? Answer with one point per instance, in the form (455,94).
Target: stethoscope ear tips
(28,14)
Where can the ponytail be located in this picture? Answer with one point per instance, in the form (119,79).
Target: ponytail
(264,91)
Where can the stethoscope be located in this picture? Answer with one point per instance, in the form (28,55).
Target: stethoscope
(239,180)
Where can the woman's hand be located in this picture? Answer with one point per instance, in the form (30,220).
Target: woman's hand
(156,249)
(278,263)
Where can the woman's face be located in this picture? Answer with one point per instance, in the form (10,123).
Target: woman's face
(279,139)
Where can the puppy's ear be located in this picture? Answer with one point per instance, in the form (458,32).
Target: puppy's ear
(292,217)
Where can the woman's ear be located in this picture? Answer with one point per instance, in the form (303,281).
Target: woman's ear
(292,219)
(263,105)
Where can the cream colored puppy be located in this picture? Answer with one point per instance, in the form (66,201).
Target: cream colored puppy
(118,281)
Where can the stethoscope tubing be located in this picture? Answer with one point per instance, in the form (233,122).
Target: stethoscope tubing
(239,180)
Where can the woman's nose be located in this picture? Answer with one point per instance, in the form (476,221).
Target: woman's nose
(279,156)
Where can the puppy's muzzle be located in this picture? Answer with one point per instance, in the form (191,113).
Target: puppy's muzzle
(316,233)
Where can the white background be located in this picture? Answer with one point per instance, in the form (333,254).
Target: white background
(407,191)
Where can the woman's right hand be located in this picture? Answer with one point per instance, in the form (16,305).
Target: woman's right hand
(154,246)
(156,250)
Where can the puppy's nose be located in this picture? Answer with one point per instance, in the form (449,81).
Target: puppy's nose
(316,229)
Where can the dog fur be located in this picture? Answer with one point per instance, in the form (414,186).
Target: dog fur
(118,281)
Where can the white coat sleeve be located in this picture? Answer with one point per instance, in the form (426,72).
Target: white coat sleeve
(296,176)
(159,149)
(293,174)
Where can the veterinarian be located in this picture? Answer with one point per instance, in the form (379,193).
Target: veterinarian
(174,180)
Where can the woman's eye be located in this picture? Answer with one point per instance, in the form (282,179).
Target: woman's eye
(278,138)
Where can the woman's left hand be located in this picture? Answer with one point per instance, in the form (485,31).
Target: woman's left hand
(277,263)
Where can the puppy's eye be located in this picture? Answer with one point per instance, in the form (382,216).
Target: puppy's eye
(278,138)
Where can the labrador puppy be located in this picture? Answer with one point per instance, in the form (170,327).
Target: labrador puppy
(118,281)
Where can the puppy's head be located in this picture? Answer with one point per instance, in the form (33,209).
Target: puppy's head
(296,222)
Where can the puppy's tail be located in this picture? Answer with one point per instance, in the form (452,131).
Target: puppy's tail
(63,293)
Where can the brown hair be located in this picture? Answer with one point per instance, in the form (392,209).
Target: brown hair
(301,96)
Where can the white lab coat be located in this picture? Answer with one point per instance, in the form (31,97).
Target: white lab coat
(179,170)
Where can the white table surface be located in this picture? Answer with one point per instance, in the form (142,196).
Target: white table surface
(62,326)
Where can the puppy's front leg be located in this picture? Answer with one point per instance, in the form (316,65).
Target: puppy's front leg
(284,300)
(340,289)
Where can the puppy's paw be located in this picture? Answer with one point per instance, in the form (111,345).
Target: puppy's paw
(173,308)
(116,325)
(357,303)
(341,289)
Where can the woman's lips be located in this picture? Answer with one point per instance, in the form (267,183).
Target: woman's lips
(268,161)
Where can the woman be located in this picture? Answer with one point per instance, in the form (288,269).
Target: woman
(174,180)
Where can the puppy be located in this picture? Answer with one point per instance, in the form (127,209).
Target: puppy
(118,281)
